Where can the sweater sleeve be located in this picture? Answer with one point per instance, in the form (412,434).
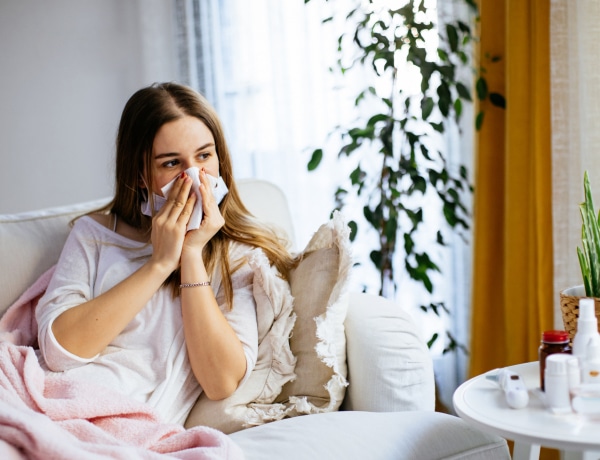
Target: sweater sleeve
(70,286)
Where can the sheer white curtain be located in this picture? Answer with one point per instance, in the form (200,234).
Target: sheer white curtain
(256,62)
(575,86)
(264,65)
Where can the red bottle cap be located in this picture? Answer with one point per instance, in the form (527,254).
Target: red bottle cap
(555,336)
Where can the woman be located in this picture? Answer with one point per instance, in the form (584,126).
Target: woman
(131,303)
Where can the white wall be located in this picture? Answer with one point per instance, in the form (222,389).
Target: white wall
(67,69)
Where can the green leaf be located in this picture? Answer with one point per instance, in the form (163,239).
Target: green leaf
(452,37)
(419,183)
(444,99)
(464,28)
(439,127)
(409,243)
(498,100)
(463,91)
(425,152)
(443,55)
(378,118)
(432,340)
(585,272)
(376,258)
(357,175)
(349,148)
(390,229)
(450,215)
(479,121)
(591,240)
(458,108)
(315,159)
(427,105)
(482,89)
(353,229)
(439,239)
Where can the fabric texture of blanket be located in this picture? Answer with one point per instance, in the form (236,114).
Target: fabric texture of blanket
(51,416)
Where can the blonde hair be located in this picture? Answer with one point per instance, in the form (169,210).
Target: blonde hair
(144,114)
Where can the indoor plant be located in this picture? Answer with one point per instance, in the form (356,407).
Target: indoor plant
(401,136)
(589,262)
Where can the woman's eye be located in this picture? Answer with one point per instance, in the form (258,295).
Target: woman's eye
(170,164)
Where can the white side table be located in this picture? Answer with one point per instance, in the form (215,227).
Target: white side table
(481,403)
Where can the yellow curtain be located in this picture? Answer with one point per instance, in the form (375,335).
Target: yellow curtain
(512,301)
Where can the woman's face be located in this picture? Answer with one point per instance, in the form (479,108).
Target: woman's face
(179,145)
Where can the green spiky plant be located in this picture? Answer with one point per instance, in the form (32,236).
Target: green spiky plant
(589,256)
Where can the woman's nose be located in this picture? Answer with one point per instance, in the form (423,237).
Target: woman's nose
(187,164)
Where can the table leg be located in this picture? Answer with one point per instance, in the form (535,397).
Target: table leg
(522,451)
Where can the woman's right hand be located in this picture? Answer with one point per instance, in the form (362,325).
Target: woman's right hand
(87,329)
(170,224)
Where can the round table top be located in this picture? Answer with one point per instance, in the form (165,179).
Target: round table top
(481,402)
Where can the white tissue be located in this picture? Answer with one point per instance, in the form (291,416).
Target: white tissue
(219,190)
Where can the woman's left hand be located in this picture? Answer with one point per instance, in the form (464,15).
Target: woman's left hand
(212,220)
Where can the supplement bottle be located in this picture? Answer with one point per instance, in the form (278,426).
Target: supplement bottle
(552,342)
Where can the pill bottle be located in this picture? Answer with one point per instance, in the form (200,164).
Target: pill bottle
(558,394)
(552,342)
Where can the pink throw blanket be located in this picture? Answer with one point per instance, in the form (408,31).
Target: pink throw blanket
(51,416)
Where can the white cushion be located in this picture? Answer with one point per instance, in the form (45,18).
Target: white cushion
(373,436)
(389,365)
(267,202)
(30,243)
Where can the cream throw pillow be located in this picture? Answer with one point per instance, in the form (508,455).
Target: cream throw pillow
(319,285)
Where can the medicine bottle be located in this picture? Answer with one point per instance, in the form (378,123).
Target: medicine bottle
(552,342)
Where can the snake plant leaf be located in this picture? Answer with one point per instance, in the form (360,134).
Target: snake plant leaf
(589,255)
(585,270)
(594,236)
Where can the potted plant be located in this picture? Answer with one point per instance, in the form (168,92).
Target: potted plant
(589,261)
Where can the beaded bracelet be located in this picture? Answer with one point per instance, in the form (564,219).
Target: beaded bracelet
(186,285)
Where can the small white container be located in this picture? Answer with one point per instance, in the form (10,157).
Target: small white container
(556,381)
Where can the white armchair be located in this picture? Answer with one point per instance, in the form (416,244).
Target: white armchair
(387,412)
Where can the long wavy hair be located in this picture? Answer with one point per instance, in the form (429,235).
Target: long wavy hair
(144,114)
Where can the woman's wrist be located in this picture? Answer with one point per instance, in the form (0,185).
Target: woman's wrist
(192,255)
(160,269)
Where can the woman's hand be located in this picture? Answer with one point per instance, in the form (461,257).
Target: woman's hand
(169,225)
(212,220)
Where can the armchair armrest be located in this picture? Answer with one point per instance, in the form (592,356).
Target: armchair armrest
(389,366)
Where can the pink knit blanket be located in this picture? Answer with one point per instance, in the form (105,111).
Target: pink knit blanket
(51,416)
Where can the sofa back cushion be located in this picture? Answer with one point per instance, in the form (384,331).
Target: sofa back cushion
(30,243)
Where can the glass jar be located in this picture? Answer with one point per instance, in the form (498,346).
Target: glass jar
(552,342)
